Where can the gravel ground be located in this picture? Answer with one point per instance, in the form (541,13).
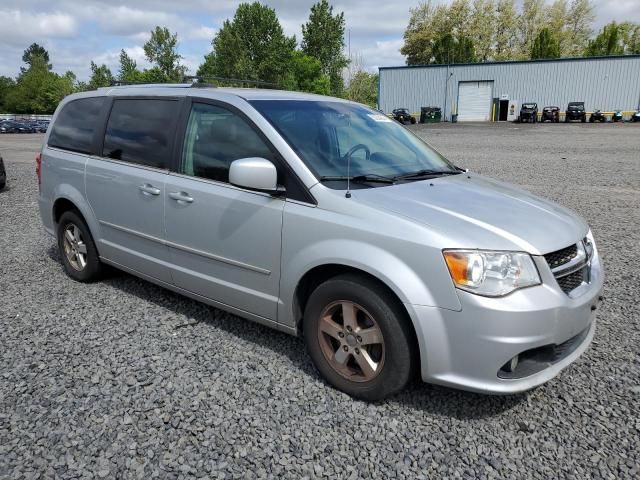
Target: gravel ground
(122,379)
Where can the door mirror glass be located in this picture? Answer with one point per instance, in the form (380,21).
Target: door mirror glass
(254,173)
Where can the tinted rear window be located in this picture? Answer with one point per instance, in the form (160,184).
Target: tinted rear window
(75,125)
(141,131)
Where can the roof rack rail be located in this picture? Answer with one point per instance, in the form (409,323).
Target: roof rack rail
(202,81)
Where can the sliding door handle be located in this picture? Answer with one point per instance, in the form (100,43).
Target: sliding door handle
(148,189)
(181,197)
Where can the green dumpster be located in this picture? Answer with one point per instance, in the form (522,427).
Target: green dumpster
(430,115)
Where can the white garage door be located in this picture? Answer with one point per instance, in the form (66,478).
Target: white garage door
(474,101)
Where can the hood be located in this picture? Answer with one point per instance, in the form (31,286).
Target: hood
(472,211)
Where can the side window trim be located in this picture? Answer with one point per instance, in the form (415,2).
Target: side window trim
(302,194)
(98,139)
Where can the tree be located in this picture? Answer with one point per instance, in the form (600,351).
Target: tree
(6,86)
(449,49)
(308,76)
(323,38)
(556,18)
(545,45)
(363,88)
(483,27)
(100,77)
(439,34)
(420,35)
(608,42)
(506,30)
(579,22)
(630,34)
(162,51)
(252,46)
(38,90)
(34,50)
(530,23)
(128,70)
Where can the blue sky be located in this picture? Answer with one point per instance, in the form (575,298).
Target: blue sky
(78,31)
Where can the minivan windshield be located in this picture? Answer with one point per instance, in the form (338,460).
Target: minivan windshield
(326,134)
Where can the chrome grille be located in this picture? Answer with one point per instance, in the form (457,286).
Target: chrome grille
(572,281)
(555,259)
(571,265)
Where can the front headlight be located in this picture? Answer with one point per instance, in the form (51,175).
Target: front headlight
(491,274)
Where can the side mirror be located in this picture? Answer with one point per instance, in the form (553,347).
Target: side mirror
(254,173)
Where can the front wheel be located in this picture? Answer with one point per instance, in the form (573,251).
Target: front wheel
(79,255)
(358,337)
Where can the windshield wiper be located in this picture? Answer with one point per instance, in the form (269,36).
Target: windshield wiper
(370,178)
(426,174)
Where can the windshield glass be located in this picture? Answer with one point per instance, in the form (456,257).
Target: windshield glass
(325,134)
(529,105)
(576,107)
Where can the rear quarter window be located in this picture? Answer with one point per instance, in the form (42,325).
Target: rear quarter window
(76,124)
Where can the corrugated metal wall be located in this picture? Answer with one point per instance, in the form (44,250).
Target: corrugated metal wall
(602,83)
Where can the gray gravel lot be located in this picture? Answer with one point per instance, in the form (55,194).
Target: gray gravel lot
(122,379)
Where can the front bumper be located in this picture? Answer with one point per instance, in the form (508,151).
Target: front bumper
(466,349)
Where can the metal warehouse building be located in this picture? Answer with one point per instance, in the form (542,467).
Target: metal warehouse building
(488,91)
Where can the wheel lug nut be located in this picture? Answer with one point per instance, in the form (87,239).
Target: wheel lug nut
(348,327)
(340,334)
(357,351)
(345,348)
(359,338)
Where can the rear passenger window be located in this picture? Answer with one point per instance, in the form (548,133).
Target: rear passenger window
(75,125)
(216,137)
(141,131)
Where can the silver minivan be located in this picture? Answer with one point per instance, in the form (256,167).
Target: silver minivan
(325,218)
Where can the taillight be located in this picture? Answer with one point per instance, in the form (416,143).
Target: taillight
(39,167)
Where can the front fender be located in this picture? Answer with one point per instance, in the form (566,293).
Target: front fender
(390,269)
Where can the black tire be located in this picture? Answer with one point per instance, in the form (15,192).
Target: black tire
(584,119)
(93,268)
(399,358)
(413,121)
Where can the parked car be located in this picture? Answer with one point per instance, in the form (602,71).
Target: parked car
(3,174)
(403,115)
(322,217)
(529,112)
(11,126)
(617,116)
(551,114)
(7,127)
(597,116)
(575,111)
(636,117)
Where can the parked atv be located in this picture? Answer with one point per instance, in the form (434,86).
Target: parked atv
(597,116)
(575,111)
(617,116)
(403,115)
(529,112)
(551,114)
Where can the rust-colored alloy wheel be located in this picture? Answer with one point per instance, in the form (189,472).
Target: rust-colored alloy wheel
(351,341)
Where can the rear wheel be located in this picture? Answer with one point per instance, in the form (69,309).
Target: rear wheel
(79,255)
(358,338)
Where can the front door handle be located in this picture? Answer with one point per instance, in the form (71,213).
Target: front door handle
(149,189)
(181,197)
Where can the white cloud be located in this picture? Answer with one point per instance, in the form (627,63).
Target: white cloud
(18,26)
(201,33)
